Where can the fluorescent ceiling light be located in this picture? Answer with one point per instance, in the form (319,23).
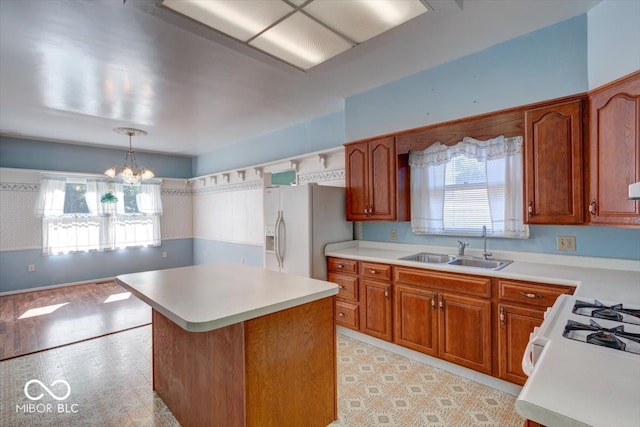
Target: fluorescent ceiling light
(300,32)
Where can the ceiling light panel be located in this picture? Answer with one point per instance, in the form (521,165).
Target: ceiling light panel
(361,20)
(301,41)
(241,19)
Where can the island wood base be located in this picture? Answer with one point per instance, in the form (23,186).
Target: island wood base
(276,370)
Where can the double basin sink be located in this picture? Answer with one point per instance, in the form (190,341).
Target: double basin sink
(464,261)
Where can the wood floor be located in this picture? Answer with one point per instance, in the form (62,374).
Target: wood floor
(40,320)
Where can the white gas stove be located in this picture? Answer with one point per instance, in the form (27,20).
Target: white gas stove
(583,364)
(609,325)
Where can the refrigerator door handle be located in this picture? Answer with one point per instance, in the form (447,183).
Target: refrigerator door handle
(276,239)
(282,227)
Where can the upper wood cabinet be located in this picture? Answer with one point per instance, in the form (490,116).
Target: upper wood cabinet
(376,181)
(614,152)
(553,159)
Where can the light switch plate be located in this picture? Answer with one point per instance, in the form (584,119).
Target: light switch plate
(394,234)
(566,243)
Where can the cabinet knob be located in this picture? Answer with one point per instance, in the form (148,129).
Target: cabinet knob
(433,301)
(341,287)
(340,265)
(592,208)
(386,292)
(530,208)
(502,315)
(341,314)
(532,296)
(441,303)
(373,272)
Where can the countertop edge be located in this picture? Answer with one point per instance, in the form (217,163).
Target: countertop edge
(205,326)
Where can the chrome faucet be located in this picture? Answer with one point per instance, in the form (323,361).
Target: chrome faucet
(461,246)
(484,236)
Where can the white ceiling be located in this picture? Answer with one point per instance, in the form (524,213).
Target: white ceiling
(72,70)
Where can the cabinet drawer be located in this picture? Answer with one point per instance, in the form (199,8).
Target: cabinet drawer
(347,315)
(375,271)
(530,293)
(339,265)
(348,285)
(458,283)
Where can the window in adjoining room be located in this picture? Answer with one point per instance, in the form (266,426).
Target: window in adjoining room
(75,216)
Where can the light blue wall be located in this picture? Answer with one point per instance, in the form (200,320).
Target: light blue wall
(306,137)
(545,64)
(614,41)
(603,242)
(41,155)
(210,251)
(86,266)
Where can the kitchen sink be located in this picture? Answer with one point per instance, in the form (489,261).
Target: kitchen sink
(429,258)
(493,264)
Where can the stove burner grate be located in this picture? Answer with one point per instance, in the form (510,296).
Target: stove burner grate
(615,312)
(605,337)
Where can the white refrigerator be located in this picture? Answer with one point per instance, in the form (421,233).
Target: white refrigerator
(299,222)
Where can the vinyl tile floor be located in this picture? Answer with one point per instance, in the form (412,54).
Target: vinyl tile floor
(109,384)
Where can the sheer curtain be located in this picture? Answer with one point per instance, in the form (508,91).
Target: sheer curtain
(104,226)
(139,226)
(66,232)
(503,179)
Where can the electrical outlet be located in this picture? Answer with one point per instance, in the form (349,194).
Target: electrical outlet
(31,268)
(164,254)
(566,243)
(394,234)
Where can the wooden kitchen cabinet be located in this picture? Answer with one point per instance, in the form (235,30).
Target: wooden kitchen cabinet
(614,152)
(375,300)
(553,166)
(516,324)
(377,186)
(444,314)
(344,272)
(416,318)
(465,331)
(520,308)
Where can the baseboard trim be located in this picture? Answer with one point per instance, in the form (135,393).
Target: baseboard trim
(42,288)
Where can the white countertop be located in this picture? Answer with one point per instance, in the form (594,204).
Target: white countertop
(605,278)
(209,296)
(573,384)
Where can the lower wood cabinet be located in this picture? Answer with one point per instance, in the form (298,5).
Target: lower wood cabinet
(347,314)
(431,318)
(520,307)
(516,324)
(465,331)
(416,319)
(375,313)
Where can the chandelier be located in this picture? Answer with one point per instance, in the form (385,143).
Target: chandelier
(130,173)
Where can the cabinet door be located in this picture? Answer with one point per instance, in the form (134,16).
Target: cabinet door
(465,331)
(383,179)
(375,309)
(416,319)
(516,323)
(553,164)
(357,181)
(614,153)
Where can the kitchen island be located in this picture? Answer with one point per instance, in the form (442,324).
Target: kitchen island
(235,345)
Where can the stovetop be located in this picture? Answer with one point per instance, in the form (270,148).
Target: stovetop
(616,312)
(614,326)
